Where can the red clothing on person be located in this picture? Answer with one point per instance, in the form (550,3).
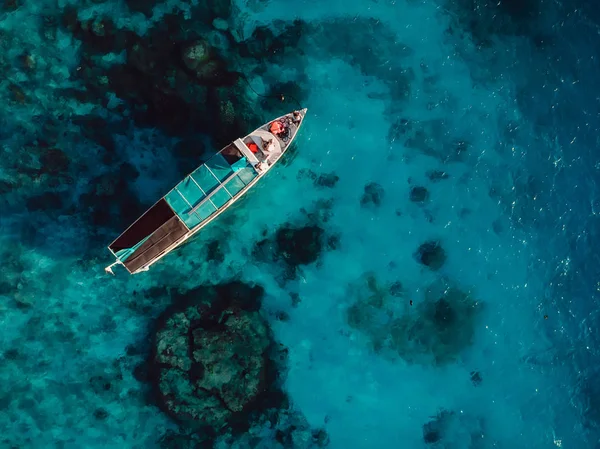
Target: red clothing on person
(276,127)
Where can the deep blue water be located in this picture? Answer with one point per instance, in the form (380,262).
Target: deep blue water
(420,271)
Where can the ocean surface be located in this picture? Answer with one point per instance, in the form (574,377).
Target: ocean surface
(420,271)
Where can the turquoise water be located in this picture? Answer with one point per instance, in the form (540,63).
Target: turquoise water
(419,271)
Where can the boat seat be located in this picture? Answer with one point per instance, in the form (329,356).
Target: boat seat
(259,136)
(240,145)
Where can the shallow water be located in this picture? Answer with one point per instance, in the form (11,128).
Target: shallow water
(490,107)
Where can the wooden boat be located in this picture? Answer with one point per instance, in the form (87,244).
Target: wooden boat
(204,194)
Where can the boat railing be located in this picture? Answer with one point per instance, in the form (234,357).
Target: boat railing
(189,204)
(222,185)
(202,190)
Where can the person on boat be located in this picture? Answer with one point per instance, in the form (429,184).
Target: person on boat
(296,118)
(253,147)
(278,129)
(268,146)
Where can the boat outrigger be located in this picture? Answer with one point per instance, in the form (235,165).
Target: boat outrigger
(204,194)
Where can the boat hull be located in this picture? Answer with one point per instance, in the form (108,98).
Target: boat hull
(204,194)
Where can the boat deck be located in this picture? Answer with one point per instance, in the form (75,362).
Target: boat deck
(165,236)
(149,236)
(208,189)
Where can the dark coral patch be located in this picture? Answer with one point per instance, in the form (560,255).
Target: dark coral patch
(54,162)
(100,414)
(6,186)
(321,211)
(443,328)
(505,18)
(146,7)
(110,200)
(436,175)
(299,246)
(171,78)
(328,180)
(97,36)
(476,378)
(398,130)
(396,289)
(418,194)
(219,8)
(215,252)
(294,246)
(11,5)
(49,201)
(434,332)
(296,300)
(434,429)
(264,43)
(373,195)
(431,254)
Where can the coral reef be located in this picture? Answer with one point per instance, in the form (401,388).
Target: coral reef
(210,361)
(223,374)
(216,369)
(435,331)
